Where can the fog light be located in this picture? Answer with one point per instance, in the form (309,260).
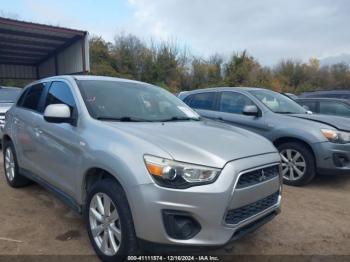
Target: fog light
(340,160)
(180,225)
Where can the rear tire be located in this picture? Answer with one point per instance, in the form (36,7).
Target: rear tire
(298,164)
(13,177)
(107,212)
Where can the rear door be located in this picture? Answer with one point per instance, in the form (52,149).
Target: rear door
(60,153)
(26,117)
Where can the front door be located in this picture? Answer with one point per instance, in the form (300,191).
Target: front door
(230,110)
(60,152)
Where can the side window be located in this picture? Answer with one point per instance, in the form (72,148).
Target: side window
(232,102)
(32,97)
(203,101)
(60,93)
(188,99)
(334,108)
(346,96)
(21,99)
(312,105)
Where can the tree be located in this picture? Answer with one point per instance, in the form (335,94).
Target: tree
(172,67)
(241,70)
(100,58)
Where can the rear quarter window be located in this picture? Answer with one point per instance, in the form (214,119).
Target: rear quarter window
(32,97)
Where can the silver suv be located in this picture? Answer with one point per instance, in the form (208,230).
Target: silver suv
(139,164)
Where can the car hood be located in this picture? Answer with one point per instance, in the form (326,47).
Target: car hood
(206,143)
(4,107)
(341,123)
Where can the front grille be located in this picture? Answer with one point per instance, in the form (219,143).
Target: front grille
(234,216)
(257,176)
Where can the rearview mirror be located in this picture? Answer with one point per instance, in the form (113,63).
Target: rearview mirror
(57,113)
(251,110)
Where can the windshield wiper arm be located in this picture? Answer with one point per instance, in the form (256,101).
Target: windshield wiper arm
(120,119)
(282,112)
(176,118)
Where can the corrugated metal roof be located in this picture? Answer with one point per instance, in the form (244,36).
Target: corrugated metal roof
(25,43)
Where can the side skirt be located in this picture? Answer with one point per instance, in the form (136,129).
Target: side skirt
(65,198)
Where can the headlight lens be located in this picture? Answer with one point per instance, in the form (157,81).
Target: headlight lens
(173,174)
(336,136)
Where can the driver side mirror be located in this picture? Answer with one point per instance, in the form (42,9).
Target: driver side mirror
(251,110)
(57,113)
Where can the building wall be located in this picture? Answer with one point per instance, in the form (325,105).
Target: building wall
(47,68)
(72,60)
(18,71)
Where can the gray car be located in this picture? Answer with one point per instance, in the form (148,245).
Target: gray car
(140,164)
(8,95)
(308,144)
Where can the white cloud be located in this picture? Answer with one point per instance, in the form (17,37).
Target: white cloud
(269,30)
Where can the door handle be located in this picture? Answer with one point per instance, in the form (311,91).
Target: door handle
(220,119)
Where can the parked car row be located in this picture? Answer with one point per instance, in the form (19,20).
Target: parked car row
(143,166)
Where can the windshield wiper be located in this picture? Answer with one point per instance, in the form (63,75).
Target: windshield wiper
(283,112)
(120,119)
(176,118)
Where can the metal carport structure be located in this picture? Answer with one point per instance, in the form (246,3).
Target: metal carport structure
(33,51)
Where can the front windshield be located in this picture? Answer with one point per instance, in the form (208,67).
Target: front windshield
(129,101)
(9,95)
(278,103)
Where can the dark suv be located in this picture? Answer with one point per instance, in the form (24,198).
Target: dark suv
(326,106)
(338,94)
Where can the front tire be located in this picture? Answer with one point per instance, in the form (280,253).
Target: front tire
(13,178)
(109,221)
(298,164)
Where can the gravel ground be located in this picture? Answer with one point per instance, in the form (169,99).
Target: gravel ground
(315,220)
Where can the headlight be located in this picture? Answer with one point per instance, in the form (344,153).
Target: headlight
(336,136)
(170,173)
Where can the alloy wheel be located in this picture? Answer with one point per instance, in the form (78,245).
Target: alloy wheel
(293,164)
(105,224)
(9,164)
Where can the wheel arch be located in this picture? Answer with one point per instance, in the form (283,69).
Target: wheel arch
(6,138)
(91,176)
(282,140)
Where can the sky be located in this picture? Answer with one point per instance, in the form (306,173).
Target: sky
(270,30)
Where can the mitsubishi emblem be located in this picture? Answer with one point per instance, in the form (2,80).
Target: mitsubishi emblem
(262,177)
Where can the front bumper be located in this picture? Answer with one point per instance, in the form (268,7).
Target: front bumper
(332,158)
(207,204)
